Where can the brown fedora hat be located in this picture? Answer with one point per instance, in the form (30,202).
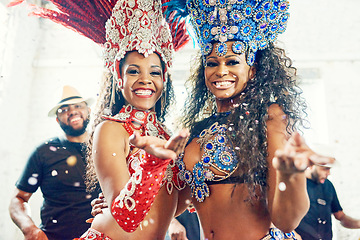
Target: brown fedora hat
(69,96)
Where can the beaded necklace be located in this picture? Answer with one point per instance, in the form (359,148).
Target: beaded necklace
(144,121)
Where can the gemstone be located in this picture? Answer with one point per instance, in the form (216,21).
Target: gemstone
(248,10)
(273,16)
(238,47)
(199,173)
(259,15)
(267,6)
(263,26)
(226,158)
(285,19)
(246,29)
(206,159)
(236,17)
(209,146)
(283,6)
(199,193)
(221,48)
(274,27)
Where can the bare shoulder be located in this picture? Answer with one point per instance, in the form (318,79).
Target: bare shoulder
(110,133)
(275,112)
(110,128)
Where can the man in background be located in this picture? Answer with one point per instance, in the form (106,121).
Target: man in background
(323,202)
(58,167)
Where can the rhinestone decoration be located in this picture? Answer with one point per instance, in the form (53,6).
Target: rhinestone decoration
(137,25)
(218,154)
(254,23)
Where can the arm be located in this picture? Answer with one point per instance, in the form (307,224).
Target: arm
(130,197)
(287,159)
(346,220)
(18,210)
(126,195)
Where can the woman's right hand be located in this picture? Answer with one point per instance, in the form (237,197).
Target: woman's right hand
(161,148)
(98,204)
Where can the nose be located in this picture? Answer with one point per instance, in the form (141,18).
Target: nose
(72,110)
(222,70)
(145,79)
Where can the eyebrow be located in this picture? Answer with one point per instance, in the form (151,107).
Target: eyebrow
(227,56)
(152,66)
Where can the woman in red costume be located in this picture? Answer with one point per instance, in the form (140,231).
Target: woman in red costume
(141,188)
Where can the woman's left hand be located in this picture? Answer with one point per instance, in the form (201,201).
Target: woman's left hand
(297,156)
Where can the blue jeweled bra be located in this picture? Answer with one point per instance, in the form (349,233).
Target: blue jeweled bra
(218,154)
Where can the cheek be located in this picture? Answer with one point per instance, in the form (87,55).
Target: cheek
(207,73)
(207,76)
(159,84)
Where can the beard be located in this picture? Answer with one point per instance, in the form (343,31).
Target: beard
(74,132)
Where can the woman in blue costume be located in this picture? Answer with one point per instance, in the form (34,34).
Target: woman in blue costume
(244,164)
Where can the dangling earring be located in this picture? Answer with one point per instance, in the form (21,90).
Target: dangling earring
(120,84)
(163,98)
(117,85)
(208,107)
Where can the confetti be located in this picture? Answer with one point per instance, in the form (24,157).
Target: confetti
(282,186)
(32,180)
(71,161)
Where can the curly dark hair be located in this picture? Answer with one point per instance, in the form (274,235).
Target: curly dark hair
(274,82)
(104,107)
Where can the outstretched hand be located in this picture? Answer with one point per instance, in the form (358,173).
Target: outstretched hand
(297,156)
(159,147)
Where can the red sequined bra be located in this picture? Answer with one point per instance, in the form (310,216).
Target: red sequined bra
(148,173)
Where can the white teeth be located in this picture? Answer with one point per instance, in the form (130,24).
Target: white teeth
(143,92)
(223,84)
(74,119)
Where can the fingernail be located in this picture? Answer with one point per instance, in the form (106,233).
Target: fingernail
(132,137)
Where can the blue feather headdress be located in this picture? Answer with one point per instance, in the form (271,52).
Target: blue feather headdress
(250,24)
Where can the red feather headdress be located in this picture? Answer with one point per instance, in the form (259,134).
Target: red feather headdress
(119,25)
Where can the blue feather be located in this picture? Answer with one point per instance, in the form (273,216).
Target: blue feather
(177,6)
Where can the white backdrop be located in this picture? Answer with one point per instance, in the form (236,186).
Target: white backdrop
(37,57)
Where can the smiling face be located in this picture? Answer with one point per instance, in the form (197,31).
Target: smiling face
(73,118)
(142,80)
(226,76)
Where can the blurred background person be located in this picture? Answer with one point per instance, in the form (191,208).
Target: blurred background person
(58,167)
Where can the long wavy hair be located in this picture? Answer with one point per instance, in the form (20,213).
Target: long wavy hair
(274,82)
(104,107)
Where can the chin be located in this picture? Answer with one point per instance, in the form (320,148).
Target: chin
(144,107)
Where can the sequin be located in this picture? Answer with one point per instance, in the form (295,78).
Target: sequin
(238,47)
(248,11)
(221,49)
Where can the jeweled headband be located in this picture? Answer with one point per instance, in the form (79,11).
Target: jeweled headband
(251,24)
(137,25)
